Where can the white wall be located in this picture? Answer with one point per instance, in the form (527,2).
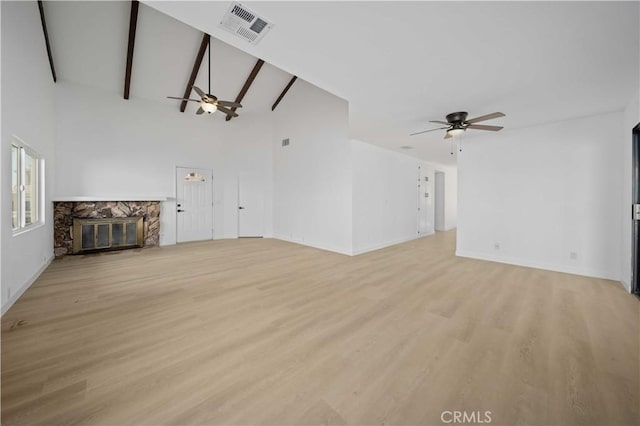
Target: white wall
(630,120)
(312,176)
(27,112)
(1,175)
(385,199)
(543,192)
(118,148)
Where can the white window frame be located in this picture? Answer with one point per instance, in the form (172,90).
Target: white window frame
(22,202)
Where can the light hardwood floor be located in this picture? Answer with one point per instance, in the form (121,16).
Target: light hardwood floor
(264,332)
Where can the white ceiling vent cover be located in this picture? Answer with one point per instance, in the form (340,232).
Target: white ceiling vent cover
(245,23)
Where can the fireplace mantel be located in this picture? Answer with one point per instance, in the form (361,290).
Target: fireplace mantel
(91,198)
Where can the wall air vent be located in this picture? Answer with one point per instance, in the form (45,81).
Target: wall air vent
(245,23)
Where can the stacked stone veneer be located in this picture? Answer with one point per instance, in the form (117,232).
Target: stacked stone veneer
(65,212)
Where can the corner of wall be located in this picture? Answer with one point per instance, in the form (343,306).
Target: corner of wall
(6,304)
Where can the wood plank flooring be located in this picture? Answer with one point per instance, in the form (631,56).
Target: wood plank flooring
(264,332)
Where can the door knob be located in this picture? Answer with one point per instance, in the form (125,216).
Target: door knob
(180,210)
(240,208)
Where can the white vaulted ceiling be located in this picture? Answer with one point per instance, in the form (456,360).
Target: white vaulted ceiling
(399,64)
(89,43)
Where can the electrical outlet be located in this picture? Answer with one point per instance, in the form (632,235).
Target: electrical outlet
(496,246)
(573,255)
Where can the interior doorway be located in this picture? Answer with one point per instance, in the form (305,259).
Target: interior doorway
(250,204)
(439,187)
(194,204)
(635,200)
(424,202)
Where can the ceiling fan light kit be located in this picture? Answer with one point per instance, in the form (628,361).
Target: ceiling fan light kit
(208,107)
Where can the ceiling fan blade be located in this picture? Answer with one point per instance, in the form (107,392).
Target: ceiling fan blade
(184,99)
(200,111)
(485,117)
(431,130)
(199,92)
(483,127)
(226,111)
(439,122)
(448,135)
(230,104)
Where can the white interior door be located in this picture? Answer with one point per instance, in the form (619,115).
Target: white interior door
(250,205)
(439,201)
(194,204)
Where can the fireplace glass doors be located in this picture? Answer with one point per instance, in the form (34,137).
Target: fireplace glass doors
(107,234)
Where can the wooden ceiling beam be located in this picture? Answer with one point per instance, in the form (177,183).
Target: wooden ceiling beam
(206,39)
(247,84)
(133,23)
(46,40)
(284,92)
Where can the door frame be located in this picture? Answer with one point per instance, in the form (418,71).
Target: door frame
(175,194)
(635,199)
(439,203)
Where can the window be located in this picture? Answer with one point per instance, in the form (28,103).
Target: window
(26,167)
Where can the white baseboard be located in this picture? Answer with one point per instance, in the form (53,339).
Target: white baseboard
(334,249)
(167,242)
(379,246)
(15,296)
(594,273)
(626,285)
(346,251)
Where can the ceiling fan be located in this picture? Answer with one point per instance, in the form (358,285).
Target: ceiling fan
(208,102)
(457,124)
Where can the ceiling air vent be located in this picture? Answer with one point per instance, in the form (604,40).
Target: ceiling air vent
(245,23)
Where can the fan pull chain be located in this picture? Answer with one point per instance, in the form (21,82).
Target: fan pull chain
(460,147)
(451,146)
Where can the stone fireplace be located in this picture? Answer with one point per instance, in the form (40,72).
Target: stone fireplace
(104,212)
